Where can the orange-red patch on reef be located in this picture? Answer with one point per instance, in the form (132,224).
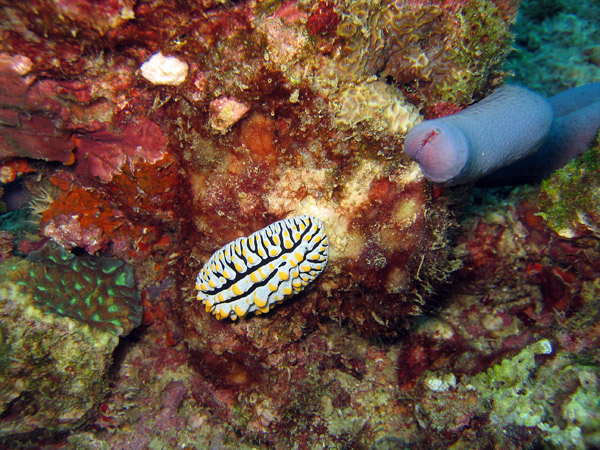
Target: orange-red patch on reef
(152,188)
(91,209)
(258,135)
(11,169)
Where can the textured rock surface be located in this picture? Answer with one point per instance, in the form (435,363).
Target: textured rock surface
(569,200)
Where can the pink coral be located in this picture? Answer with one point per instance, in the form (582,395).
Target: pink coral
(103,153)
(31,116)
(69,233)
(225,112)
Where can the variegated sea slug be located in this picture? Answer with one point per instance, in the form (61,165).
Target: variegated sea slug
(254,273)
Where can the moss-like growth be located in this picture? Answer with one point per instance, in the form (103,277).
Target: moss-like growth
(569,201)
(509,386)
(485,41)
(443,53)
(560,399)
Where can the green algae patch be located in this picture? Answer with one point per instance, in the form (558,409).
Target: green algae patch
(559,396)
(508,386)
(486,41)
(569,201)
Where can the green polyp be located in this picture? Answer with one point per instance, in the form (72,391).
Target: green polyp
(86,289)
(110,269)
(76,265)
(121,279)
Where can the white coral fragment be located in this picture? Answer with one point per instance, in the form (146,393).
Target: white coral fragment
(167,70)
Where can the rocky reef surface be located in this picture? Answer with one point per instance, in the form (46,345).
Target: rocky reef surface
(139,137)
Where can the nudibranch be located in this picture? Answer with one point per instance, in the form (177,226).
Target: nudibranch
(254,273)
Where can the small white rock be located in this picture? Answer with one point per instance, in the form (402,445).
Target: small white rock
(435,384)
(167,70)
(443,384)
(543,347)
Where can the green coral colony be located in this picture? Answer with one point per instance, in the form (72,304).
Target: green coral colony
(100,292)
(251,274)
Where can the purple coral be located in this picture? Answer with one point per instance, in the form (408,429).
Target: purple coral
(171,400)
(506,126)
(514,134)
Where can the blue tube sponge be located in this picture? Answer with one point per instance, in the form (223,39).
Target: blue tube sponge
(512,136)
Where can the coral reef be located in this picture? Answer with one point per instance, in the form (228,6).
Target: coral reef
(529,407)
(287,108)
(569,200)
(442,52)
(480,364)
(263,69)
(321,138)
(54,367)
(554,397)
